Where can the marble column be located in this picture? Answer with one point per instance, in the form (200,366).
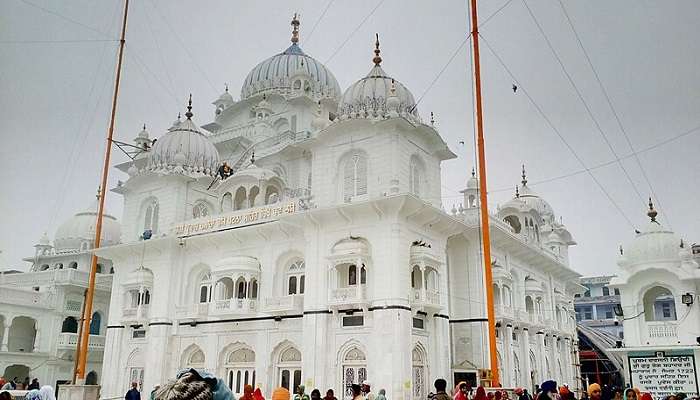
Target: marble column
(526,361)
(507,379)
(5,337)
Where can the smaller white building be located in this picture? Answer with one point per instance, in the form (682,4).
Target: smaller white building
(40,310)
(659,282)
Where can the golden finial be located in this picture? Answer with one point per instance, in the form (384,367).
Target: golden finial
(652,213)
(295,29)
(189,114)
(377,60)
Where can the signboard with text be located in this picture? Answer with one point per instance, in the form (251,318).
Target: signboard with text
(238,219)
(662,375)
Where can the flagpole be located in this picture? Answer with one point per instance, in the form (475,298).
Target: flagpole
(87,312)
(486,242)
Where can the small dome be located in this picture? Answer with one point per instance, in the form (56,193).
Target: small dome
(350,246)
(377,95)
(238,263)
(140,276)
(80,229)
(184,149)
(225,98)
(255,172)
(44,241)
(473,183)
(143,134)
(526,200)
(653,244)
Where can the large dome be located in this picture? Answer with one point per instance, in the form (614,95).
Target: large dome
(78,232)
(654,244)
(377,95)
(291,72)
(184,149)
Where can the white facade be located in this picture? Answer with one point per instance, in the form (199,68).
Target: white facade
(325,258)
(40,309)
(659,280)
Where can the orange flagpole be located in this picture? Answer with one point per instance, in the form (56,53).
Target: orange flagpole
(87,312)
(486,242)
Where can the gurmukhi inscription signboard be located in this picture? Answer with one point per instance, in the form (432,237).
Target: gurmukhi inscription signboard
(662,376)
(238,219)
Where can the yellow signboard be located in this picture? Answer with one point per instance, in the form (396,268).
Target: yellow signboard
(235,220)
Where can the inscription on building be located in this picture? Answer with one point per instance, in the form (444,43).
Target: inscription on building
(663,376)
(238,219)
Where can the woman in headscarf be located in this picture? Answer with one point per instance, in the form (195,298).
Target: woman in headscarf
(631,394)
(257,394)
(32,395)
(247,392)
(46,393)
(461,391)
(330,395)
(192,384)
(381,395)
(480,393)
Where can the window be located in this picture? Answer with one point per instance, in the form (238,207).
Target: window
(95,323)
(146,297)
(616,291)
(98,268)
(587,293)
(200,209)
(608,314)
(354,177)
(418,323)
(666,309)
(515,336)
(70,325)
(587,313)
(295,278)
(577,295)
(138,334)
(514,223)
(150,221)
(606,291)
(204,294)
(415,175)
(352,275)
(354,320)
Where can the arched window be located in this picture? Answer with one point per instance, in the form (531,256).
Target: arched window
(354,370)
(240,369)
(227,202)
(204,292)
(253,195)
(111,270)
(363,274)
(239,201)
(419,378)
(200,209)
(354,177)
(415,175)
(659,304)
(289,368)
(95,323)
(146,297)
(98,268)
(295,277)
(70,325)
(514,223)
(150,220)
(352,275)
(241,289)
(44,267)
(253,291)
(224,289)
(271,195)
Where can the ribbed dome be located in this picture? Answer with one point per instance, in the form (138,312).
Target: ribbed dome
(80,229)
(370,97)
(184,149)
(277,73)
(653,244)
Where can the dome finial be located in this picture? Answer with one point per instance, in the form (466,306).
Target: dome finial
(524,176)
(252,156)
(189,114)
(432,118)
(295,29)
(517,193)
(377,60)
(473,173)
(178,116)
(652,213)
(226,87)
(144,127)
(99,189)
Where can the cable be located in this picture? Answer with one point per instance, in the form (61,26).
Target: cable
(561,137)
(46,10)
(354,31)
(141,65)
(158,50)
(313,29)
(617,117)
(56,41)
(182,44)
(583,101)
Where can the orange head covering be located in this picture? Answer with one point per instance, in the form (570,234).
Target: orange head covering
(563,391)
(593,387)
(280,394)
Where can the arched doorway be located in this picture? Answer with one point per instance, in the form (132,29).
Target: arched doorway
(16,370)
(418,358)
(289,368)
(22,335)
(354,370)
(240,369)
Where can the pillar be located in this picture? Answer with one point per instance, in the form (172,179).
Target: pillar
(526,361)
(37,339)
(358,266)
(5,336)
(541,358)
(507,379)
(424,282)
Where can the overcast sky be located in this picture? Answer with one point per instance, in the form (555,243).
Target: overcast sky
(54,97)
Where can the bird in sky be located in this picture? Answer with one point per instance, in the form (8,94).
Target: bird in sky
(515,88)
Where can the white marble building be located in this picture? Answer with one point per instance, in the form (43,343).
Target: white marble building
(326,257)
(658,281)
(40,309)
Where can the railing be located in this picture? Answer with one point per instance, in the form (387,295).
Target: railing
(661,331)
(67,340)
(55,277)
(137,312)
(348,295)
(234,306)
(192,310)
(426,298)
(284,303)
(26,297)
(503,311)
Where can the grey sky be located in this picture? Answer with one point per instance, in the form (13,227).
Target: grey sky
(54,106)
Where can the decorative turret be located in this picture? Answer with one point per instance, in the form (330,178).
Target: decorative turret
(471,193)
(43,247)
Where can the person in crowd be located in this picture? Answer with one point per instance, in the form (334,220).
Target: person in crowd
(490,396)
(46,392)
(681,396)
(480,393)
(565,393)
(381,395)
(497,395)
(315,394)
(548,391)
(301,393)
(247,392)
(461,391)
(440,390)
(281,394)
(594,391)
(153,392)
(646,396)
(617,393)
(191,384)
(133,393)
(367,390)
(5,395)
(257,394)
(25,383)
(356,392)
(671,397)
(32,395)
(7,386)
(525,395)
(330,395)
(630,394)
(34,384)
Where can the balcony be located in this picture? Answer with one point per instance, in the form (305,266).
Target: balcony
(662,332)
(233,306)
(68,341)
(192,311)
(428,299)
(56,277)
(26,297)
(348,297)
(505,312)
(284,304)
(136,313)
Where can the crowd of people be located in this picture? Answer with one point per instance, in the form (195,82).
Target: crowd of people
(16,384)
(193,384)
(34,392)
